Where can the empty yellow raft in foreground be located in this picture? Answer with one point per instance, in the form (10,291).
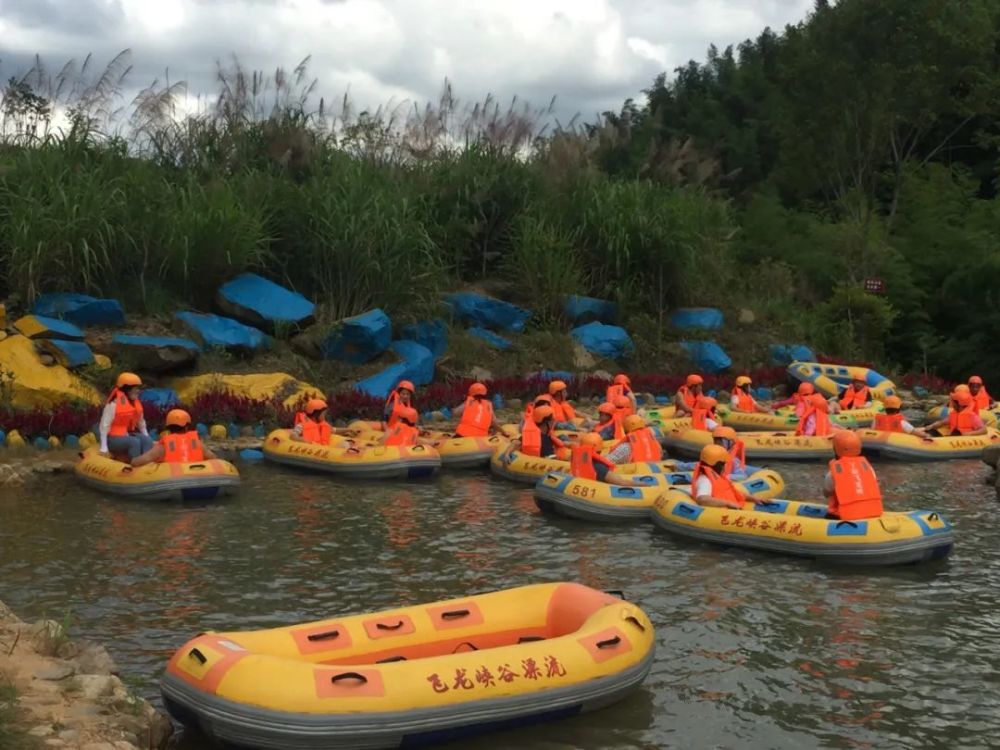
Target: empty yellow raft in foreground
(902,447)
(784,446)
(202,480)
(361,462)
(590,500)
(416,675)
(469,452)
(801,529)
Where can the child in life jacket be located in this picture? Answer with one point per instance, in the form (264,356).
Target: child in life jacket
(800,399)
(711,487)
(742,401)
(476,413)
(639,444)
(856,396)
(893,420)
(850,485)
(311,425)
(122,428)
(620,386)
(587,462)
(608,423)
(729,440)
(962,419)
(687,395)
(400,398)
(562,409)
(983,400)
(179,443)
(703,416)
(404,432)
(537,436)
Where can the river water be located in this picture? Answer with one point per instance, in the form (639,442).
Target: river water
(753,650)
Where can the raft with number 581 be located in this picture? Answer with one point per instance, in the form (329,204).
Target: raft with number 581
(415,675)
(802,529)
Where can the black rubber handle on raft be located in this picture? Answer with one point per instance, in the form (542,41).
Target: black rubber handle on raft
(635,622)
(390,659)
(327,636)
(610,643)
(847,523)
(616,592)
(196,466)
(349,676)
(530,638)
(199,656)
(472,646)
(384,626)
(627,490)
(933,517)
(454,615)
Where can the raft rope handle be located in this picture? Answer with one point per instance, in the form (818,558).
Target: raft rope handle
(349,676)
(635,621)
(418,448)
(472,646)
(455,614)
(848,523)
(196,466)
(609,643)
(627,490)
(934,517)
(390,659)
(198,655)
(327,636)
(684,509)
(386,626)
(530,638)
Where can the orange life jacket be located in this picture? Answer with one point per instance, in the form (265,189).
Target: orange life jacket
(477,418)
(822,422)
(645,446)
(393,405)
(582,459)
(563,411)
(856,493)
(531,438)
(801,406)
(182,448)
(687,396)
(402,434)
(738,451)
(962,422)
(744,401)
(615,390)
(313,431)
(699,418)
(618,419)
(889,422)
(128,414)
(981,400)
(853,399)
(722,487)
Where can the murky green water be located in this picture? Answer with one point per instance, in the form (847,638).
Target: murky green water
(753,650)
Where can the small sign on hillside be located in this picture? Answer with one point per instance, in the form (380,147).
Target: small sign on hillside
(875,286)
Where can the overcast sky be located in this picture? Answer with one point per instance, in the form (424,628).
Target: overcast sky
(590,54)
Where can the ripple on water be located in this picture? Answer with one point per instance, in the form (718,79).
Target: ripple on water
(753,650)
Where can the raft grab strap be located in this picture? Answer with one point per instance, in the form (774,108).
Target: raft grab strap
(349,676)
(195,653)
(386,626)
(609,643)
(455,614)
(327,636)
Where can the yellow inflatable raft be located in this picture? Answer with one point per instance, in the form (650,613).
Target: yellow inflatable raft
(783,446)
(801,529)
(203,480)
(590,500)
(902,447)
(469,452)
(785,420)
(416,675)
(988,416)
(511,464)
(361,462)
(830,380)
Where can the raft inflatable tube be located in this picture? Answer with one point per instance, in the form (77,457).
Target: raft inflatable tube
(414,676)
(469,452)
(801,529)
(510,463)
(781,446)
(830,380)
(899,446)
(786,420)
(201,480)
(363,462)
(590,500)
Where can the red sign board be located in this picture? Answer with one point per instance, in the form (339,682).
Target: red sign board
(875,286)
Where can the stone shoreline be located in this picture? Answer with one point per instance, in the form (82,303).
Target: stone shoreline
(69,694)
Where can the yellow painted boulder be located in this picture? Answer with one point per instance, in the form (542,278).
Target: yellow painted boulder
(102,362)
(217,432)
(14,439)
(257,387)
(32,384)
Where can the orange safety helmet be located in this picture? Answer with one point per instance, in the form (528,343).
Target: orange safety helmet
(621,379)
(541,413)
(706,402)
(892,402)
(127,379)
(177,418)
(592,439)
(724,433)
(314,405)
(634,422)
(694,380)
(406,385)
(806,389)
(962,398)
(477,389)
(556,386)
(846,443)
(409,414)
(975,380)
(819,401)
(606,408)
(713,455)
(961,388)
(623,402)
(743,380)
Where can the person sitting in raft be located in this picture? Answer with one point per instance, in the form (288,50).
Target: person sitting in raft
(962,419)
(815,420)
(477,417)
(529,410)
(607,422)
(850,485)
(640,444)
(982,399)
(405,432)
(585,460)
(400,398)
(561,407)
(728,439)
(703,417)
(800,399)
(179,443)
(710,486)
(742,401)
(856,396)
(620,386)
(123,428)
(537,436)
(311,425)
(687,395)
(893,419)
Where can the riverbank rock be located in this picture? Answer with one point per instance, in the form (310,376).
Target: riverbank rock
(217,332)
(34,385)
(81,309)
(156,353)
(359,339)
(161,398)
(71,354)
(603,340)
(582,359)
(697,317)
(430,333)
(259,302)
(707,356)
(257,387)
(41,327)
(419,361)
(991,455)
(784,354)
(580,310)
(487,312)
